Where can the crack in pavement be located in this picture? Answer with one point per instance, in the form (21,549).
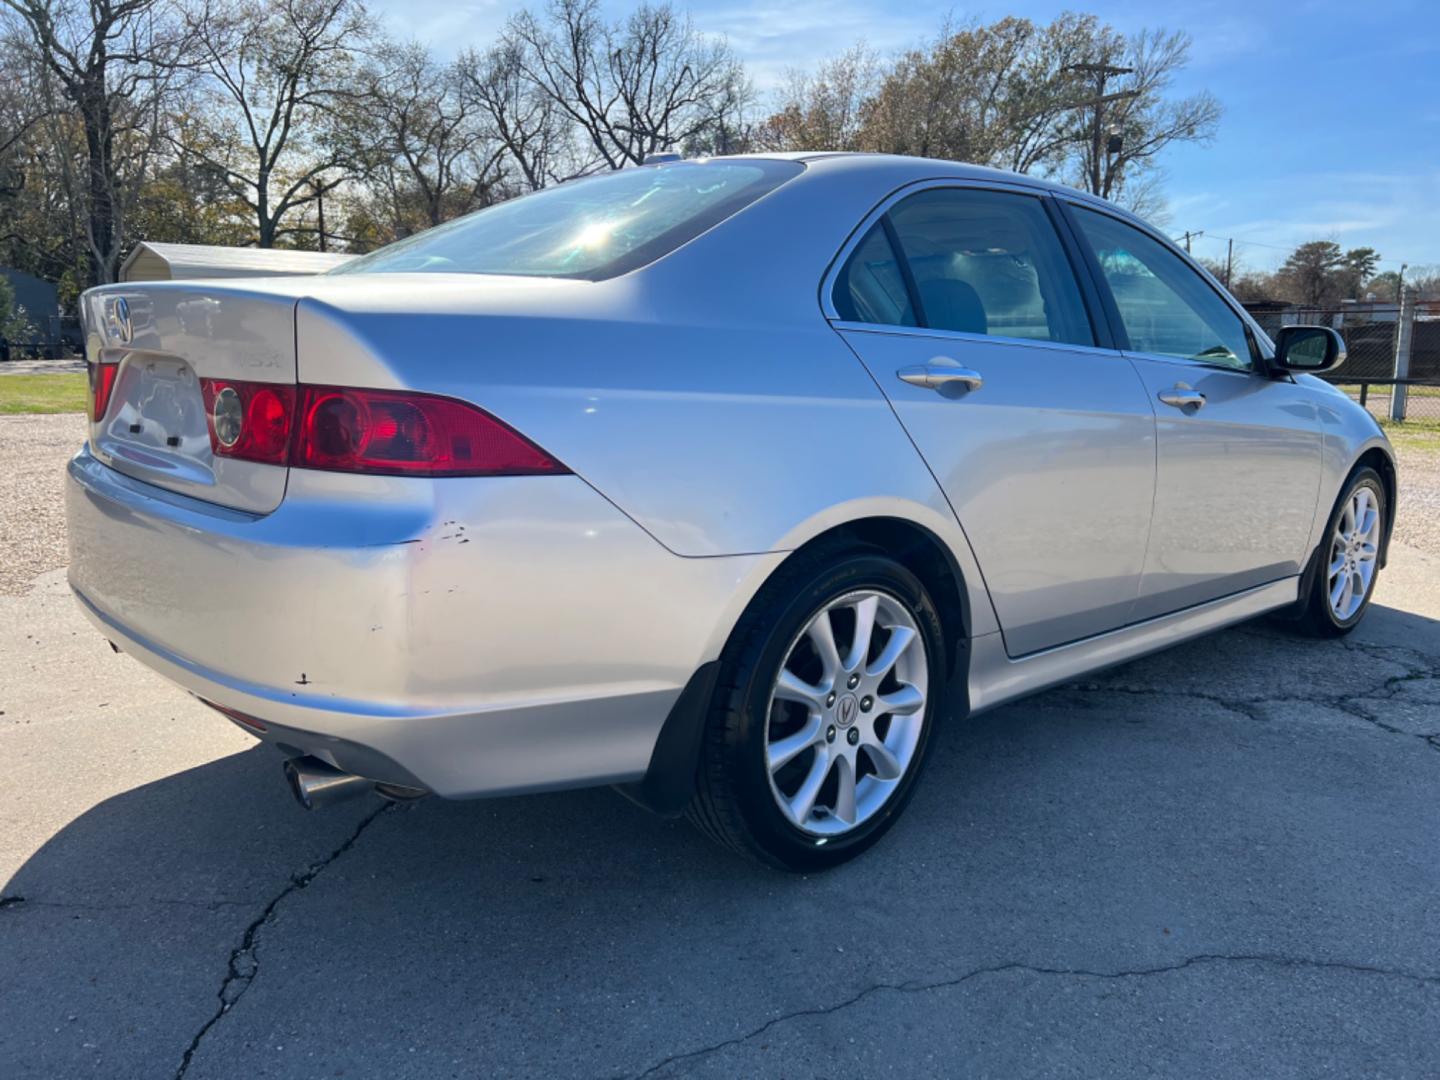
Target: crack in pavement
(1033,969)
(243,965)
(1350,704)
(139,905)
(1419,665)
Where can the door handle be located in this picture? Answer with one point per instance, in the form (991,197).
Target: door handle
(941,372)
(1182,397)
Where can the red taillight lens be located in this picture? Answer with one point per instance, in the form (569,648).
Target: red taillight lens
(249,421)
(404,434)
(343,429)
(102,384)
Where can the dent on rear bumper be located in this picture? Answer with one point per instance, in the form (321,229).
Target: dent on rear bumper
(487,635)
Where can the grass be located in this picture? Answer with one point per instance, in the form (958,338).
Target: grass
(1383,390)
(42,394)
(1414,434)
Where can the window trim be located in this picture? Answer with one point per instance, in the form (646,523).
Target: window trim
(965,335)
(902,262)
(1094,276)
(1259,360)
(880,214)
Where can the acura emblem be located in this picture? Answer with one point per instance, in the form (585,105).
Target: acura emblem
(848,707)
(120,320)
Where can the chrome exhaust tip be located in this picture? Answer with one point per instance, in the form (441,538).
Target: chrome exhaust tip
(315,783)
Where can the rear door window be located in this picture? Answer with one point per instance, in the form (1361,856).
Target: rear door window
(990,262)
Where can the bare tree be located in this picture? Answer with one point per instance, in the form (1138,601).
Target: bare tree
(1070,98)
(825,110)
(112,62)
(1043,96)
(527,121)
(283,79)
(21,110)
(434,158)
(1129,119)
(648,83)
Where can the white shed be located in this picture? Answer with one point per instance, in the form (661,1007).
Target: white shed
(164,262)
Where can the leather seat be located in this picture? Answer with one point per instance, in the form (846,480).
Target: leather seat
(951,304)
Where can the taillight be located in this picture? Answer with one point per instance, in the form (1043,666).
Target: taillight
(102,384)
(249,421)
(407,434)
(386,432)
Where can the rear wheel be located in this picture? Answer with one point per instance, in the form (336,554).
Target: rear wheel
(1349,559)
(823,712)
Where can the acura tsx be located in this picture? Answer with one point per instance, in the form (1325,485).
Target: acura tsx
(719,481)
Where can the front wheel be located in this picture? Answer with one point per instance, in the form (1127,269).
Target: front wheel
(823,712)
(1349,559)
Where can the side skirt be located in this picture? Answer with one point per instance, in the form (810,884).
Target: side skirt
(996,679)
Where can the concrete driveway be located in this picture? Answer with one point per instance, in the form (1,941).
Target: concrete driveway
(1222,860)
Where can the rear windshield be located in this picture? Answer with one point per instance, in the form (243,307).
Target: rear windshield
(593,228)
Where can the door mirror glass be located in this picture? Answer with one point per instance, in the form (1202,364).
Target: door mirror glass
(1313,349)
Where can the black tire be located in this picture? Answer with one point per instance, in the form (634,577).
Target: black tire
(733,803)
(1316,618)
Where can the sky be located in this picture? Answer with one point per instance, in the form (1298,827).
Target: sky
(1331,126)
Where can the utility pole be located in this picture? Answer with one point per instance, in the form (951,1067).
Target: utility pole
(1101,145)
(1229,260)
(1404,334)
(1194,236)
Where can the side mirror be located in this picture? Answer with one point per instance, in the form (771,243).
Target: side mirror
(1311,349)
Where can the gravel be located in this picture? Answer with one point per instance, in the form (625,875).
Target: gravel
(33,453)
(1418,524)
(34,450)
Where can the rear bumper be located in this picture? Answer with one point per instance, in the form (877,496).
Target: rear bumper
(472,637)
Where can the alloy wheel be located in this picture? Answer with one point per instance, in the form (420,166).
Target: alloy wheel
(846,712)
(1353,551)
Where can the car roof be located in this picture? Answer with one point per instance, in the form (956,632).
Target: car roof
(903,169)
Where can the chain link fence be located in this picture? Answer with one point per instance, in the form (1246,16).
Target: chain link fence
(1393,361)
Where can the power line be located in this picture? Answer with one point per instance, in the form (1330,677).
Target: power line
(1231,239)
(1195,234)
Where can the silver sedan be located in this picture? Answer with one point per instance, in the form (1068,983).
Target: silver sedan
(719,481)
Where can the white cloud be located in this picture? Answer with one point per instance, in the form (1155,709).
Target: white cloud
(774,38)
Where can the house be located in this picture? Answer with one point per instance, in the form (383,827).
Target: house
(37,296)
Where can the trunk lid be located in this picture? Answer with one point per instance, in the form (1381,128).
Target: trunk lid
(166,337)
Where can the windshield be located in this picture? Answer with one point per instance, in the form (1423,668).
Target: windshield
(593,228)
